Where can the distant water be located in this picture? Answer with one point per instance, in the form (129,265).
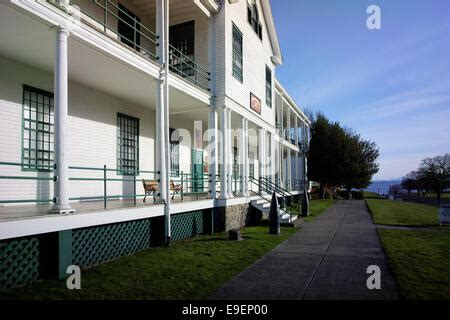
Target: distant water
(382,186)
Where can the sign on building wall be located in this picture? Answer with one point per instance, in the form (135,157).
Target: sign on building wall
(255,103)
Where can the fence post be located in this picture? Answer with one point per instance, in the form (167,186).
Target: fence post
(105,26)
(134,186)
(182,187)
(104,187)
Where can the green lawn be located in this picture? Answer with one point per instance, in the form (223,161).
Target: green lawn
(420,261)
(189,269)
(399,213)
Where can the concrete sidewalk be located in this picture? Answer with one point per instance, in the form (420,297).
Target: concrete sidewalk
(326,259)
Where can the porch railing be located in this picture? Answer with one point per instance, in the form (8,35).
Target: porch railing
(105,16)
(86,174)
(143,40)
(187,68)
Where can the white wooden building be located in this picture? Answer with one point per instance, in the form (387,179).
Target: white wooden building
(97,95)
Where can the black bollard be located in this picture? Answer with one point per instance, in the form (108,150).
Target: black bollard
(305,204)
(274,216)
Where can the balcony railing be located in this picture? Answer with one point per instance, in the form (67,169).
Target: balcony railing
(188,69)
(105,16)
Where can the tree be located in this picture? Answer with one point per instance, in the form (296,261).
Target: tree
(358,161)
(436,173)
(339,157)
(409,183)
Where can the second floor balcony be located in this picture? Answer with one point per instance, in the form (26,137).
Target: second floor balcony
(133,24)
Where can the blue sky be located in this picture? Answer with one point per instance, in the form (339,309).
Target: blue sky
(390,85)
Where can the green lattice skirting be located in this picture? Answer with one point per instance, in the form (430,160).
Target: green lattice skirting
(188,224)
(19,262)
(94,245)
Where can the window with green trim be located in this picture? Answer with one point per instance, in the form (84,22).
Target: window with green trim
(174,153)
(127,144)
(268,87)
(237,54)
(38,129)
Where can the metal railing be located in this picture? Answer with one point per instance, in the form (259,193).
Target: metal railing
(187,68)
(191,183)
(96,174)
(130,177)
(27,177)
(143,40)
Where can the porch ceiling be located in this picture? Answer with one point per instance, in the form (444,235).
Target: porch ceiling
(177,8)
(31,41)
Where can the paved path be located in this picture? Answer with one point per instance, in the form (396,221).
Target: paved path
(326,259)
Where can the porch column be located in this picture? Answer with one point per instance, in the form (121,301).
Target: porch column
(296,157)
(289,169)
(162,111)
(242,158)
(261,157)
(230,154)
(213,151)
(246,159)
(272,157)
(61,123)
(223,154)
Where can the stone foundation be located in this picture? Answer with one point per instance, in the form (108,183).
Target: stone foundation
(237,216)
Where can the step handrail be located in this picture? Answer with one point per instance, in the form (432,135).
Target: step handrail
(277,186)
(256,182)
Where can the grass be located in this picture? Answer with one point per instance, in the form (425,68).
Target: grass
(420,261)
(189,269)
(399,213)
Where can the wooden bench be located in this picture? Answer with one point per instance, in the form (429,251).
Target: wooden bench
(176,189)
(151,188)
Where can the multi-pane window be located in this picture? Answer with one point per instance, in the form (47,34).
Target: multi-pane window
(268,87)
(237,54)
(253,19)
(127,144)
(38,129)
(174,153)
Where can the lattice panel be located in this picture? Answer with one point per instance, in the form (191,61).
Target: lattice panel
(94,245)
(19,262)
(189,224)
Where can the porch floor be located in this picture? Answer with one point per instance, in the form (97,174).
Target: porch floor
(13,212)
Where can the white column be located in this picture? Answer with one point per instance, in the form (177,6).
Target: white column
(223,154)
(296,157)
(272,157)
(242,157)
(61,123)
(230,154)
(261,160)
(289,169)
(246,159)
(213,150)
(162,111)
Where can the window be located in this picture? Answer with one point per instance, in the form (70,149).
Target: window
(253,19)
(237,54)
(129,27)
(268,87)
(127,144)
(38,129)
(174,153)
(182,40)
